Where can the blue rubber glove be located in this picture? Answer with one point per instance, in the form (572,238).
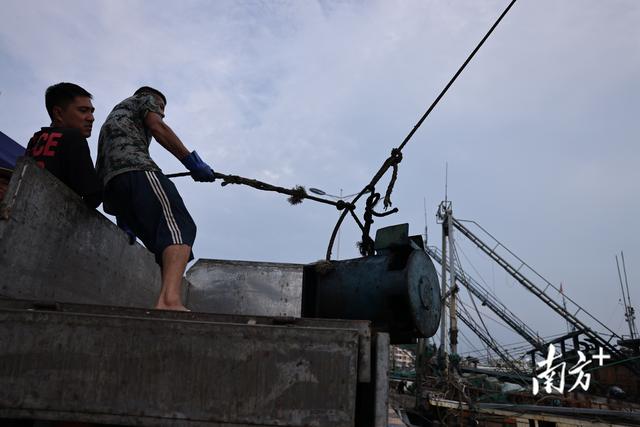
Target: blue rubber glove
(200,171)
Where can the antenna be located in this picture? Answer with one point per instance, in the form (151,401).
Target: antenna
(426,229)
(624,300)
(445,205)
(446,180)
(626,282)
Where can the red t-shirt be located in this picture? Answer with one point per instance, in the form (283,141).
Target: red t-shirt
(65,153)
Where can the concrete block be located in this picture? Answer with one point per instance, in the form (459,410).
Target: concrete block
(173,369)
(53,247)
(382,380)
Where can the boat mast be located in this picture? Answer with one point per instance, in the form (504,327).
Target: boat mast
(629,312)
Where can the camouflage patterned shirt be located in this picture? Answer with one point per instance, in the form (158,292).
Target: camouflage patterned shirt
(124,140)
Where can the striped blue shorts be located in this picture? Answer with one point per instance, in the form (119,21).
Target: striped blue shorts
(149,203)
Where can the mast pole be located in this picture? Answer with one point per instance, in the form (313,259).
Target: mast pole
(453,323)
(443,291)
(624,300)
(630,310)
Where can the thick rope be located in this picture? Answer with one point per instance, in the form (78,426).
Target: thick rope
(396,153)
(395,159)
(297,194)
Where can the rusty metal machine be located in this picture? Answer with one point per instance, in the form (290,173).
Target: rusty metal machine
(397,289)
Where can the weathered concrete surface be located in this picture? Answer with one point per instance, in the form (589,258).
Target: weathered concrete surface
(52,247)
(248,288)
(365,362)
(145,369)
(381,416)
(245,287)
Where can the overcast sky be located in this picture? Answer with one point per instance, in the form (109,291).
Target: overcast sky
(540,132)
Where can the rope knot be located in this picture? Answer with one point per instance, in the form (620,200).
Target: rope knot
(341,204)
(396,156)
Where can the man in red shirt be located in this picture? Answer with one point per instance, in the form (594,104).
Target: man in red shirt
(62,148)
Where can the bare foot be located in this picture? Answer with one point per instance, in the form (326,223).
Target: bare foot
(167,302)
(177,307)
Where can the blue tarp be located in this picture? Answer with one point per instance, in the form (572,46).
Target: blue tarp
(9,151)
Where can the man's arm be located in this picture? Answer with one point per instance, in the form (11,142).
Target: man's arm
(81,173)
(165,135)
(200,171)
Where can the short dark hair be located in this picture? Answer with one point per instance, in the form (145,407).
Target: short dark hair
(61,95)
(148,89)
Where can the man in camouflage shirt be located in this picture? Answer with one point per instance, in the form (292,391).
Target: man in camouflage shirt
(137,192)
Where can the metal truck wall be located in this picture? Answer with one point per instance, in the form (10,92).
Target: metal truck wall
(174,369)
(398,290)
(52,247)
(245,287)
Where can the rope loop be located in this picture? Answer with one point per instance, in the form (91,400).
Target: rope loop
(394,160)
(367,245)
